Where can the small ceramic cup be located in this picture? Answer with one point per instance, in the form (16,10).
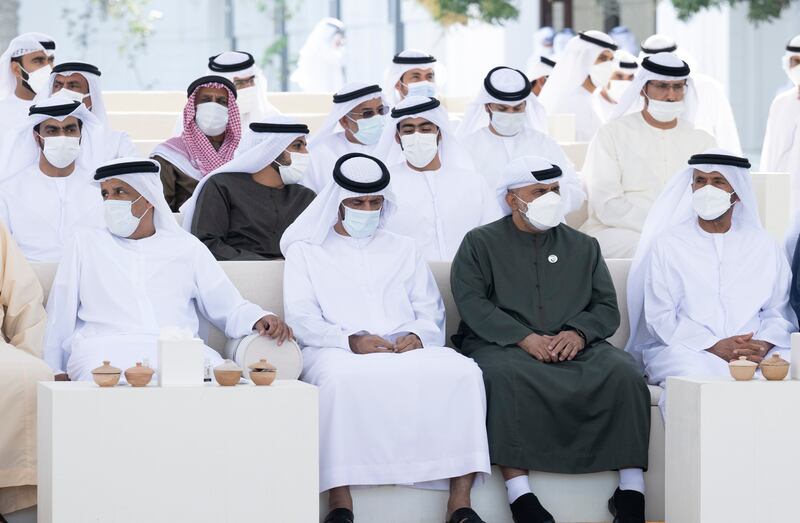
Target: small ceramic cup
(262,372)
(742,369)
(139,376)
(106,375)
(227,374)
(774,368)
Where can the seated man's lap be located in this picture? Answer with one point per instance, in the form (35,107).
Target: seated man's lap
(682,361)
(438,362)
(16,362)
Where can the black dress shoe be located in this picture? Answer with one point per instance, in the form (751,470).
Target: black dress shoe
(627,506)
(465,515)
(527,509)
(340,515)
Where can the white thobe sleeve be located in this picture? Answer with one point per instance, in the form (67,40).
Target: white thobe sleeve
(303,313)
(572,193)
(429,321)
(313,175)
(62,308)
(769,154)
(776,316)
(219,300)
(661,309)
(491,208)
(603,175)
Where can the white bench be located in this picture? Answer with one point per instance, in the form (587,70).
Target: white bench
(561,127)
(576,152)
(166,101)
(173,101)
(571,498)
(157,126)
(285,102)
(144,125)
(291,102)
(145,147)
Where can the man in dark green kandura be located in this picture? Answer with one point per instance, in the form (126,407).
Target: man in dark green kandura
(537,303)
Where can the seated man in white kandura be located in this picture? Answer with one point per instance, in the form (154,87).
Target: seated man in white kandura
(708,283)
(118,286)
(634,156)
(396,407)
(504,122)
(440,196)
(47,195)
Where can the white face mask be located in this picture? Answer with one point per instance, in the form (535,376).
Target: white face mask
(39,79)
(369,129)
(72,95)
(423,88)
(211,118)
(545,212)
(247,99)
(617,87)
(508,124)
(61,151)
(360,224)
(601,73)
(294,172)
(665,112)
(119,217)
(794,74)
(420,148)
(711,202)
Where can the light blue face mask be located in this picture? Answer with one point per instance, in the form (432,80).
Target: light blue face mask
(424,88)
(360,224)
(369,129)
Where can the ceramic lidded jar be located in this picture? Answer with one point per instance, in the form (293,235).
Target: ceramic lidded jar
(106,375)
(139,376)
(262,372)
(227,374)
(742,369)
(774,368)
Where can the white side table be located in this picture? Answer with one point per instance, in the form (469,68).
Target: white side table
(188,454)
(732,451)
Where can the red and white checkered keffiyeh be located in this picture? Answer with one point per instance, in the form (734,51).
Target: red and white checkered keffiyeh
(196,146)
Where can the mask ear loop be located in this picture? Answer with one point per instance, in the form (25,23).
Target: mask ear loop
(523,201)
(276,162)
(144,213)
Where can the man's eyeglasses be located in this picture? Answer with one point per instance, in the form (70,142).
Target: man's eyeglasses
(664,87)
(369,113)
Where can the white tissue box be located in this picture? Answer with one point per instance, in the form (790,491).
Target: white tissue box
(795,357)
(180,362)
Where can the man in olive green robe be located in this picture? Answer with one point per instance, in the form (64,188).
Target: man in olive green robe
(537,303)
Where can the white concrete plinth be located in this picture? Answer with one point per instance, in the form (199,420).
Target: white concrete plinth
(199,454)
(732,451)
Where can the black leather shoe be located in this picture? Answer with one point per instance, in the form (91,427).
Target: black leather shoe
(340,515)
(527,509)
(627,506)
(465,515)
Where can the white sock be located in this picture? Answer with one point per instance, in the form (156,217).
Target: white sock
(631,479)
(517,487)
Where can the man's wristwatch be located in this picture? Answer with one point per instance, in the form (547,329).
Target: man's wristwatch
(581,334)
